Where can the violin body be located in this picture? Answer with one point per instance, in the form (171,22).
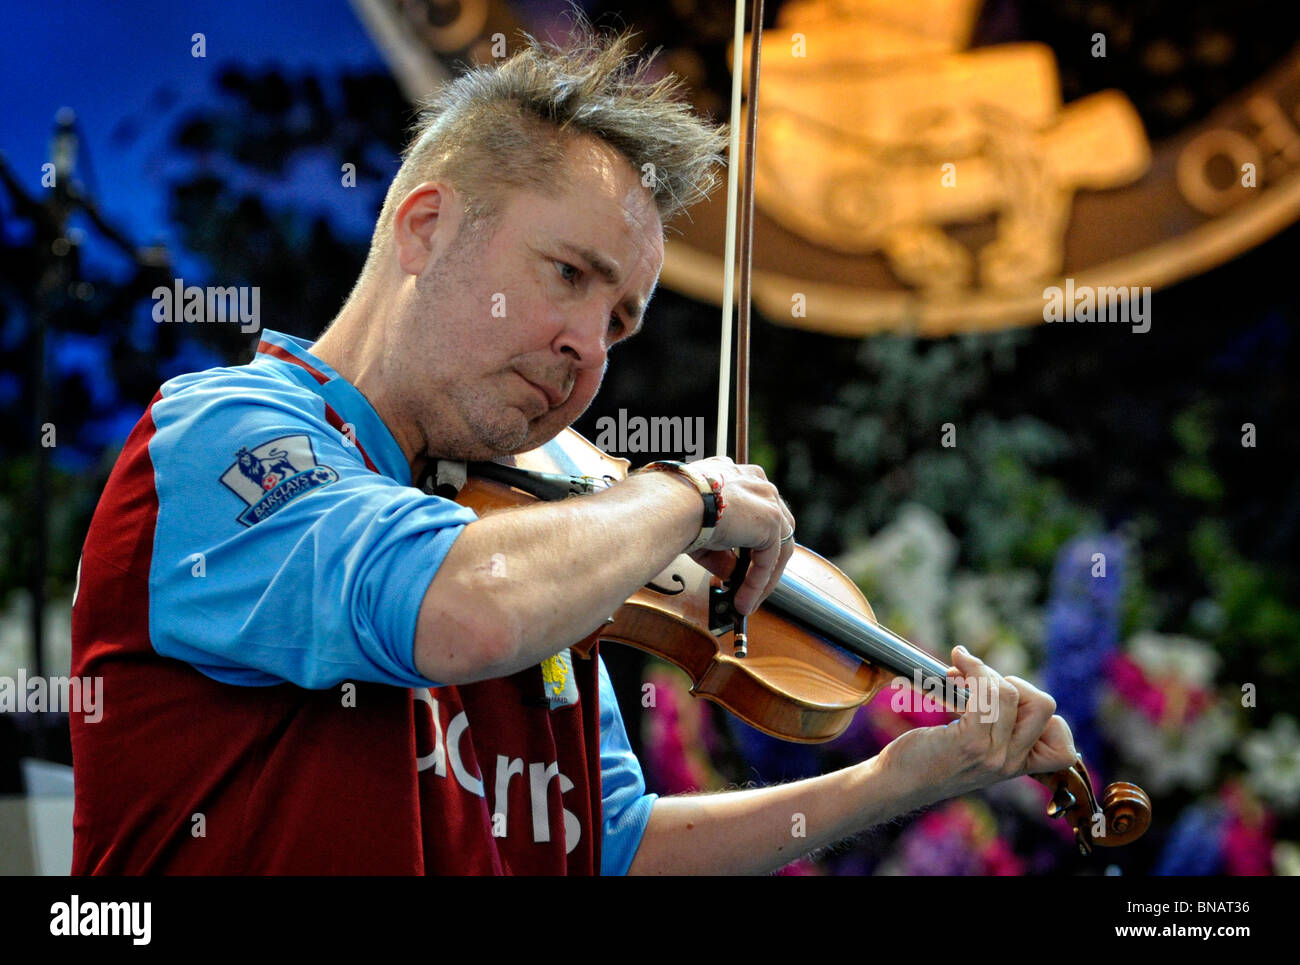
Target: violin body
(788,685)
(796,683)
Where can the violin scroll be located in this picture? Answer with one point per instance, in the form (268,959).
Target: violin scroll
(1123,815)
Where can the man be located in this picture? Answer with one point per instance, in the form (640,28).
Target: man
(312,666)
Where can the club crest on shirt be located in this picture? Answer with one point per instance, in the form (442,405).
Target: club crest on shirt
(558,686)
(268,476)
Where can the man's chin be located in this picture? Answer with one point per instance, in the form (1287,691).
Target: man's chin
(523,437)
(515,432)
(538,436)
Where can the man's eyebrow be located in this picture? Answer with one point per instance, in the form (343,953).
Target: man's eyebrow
(606,270)
(599,263)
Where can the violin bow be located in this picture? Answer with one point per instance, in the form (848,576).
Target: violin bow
(1124,810)
(741,636)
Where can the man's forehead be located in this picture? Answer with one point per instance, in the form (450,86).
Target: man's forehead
(597,172)
(602,211)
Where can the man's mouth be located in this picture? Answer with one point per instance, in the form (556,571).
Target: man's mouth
(553,397)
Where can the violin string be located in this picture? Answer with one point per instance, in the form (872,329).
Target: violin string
(863,638)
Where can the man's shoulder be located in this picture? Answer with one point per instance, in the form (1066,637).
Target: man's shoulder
(249,382)
(234,398)
(242,428)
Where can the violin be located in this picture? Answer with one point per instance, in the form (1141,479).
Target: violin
(815,652)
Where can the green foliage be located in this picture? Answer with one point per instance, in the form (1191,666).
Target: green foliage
(1247,613)
(1259,627)
(1140,606)
(991,486)
(70,499)
(1192,475)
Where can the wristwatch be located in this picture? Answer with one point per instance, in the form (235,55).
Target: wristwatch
(710,490)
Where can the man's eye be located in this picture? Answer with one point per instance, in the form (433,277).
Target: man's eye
(616,326)
(568,272)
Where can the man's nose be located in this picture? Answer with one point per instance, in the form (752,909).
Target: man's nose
(584,339)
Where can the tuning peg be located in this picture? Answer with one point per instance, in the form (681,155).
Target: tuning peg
(1062,801)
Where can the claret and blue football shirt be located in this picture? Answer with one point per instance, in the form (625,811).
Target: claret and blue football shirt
(248,591)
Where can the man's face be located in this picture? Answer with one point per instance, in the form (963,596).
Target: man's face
(510,333)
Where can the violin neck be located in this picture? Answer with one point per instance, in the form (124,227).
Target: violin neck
(865,639)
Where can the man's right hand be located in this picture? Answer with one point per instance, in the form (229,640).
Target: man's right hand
(757,518)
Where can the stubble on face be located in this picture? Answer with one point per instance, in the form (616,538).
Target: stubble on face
(472,399)
(455,419)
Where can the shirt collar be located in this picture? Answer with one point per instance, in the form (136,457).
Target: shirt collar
(292,356)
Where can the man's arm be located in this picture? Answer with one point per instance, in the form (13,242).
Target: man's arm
(521,585)
(761,830)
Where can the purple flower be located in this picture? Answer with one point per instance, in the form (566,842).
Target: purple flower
(1082,631)
(1195,845)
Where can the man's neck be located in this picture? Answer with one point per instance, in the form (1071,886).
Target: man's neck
(355,350)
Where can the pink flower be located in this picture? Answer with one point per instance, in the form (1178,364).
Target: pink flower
(1133,687)
(665,743)
(1248,837)
(999,859)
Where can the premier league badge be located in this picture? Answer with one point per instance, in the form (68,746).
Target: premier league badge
(268,476)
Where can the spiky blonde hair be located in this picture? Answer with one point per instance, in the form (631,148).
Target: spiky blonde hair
(505,127)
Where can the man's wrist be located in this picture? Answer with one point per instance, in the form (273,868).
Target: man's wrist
(708,488)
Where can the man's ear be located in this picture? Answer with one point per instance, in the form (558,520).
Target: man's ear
(420,223)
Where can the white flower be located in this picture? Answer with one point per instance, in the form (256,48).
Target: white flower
(908,565)
(993,617)
(1162,657)
(1286,858)
(1273,759)
(1173,754)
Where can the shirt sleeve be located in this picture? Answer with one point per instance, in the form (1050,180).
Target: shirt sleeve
(625,805)
(278,554)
